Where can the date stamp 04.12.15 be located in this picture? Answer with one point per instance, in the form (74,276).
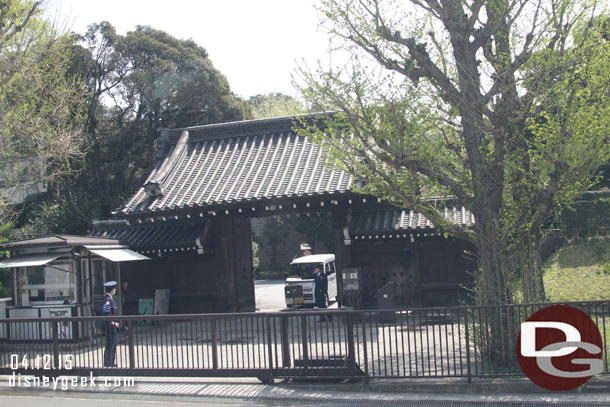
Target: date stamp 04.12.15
(38,368)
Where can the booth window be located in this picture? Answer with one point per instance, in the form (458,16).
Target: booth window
(102,271)
(49,284)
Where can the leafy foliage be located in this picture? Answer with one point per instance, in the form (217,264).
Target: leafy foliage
(41,103)
(274,231)
(315,229)
(274,105)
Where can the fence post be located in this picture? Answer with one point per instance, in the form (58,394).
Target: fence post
(55,345)
(214,345)
(269,348)
(468,372)
(604,316)
(351,352)
(366,356)
(304,341)
(132,354)
(285,342)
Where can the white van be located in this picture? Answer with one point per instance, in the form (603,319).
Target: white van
(301,273)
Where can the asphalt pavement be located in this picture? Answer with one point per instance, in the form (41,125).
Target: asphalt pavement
(236,391)
(269,295)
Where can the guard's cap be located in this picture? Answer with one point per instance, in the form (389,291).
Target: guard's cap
(110,284)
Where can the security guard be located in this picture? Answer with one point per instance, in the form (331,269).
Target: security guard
(320,290)
(110,327)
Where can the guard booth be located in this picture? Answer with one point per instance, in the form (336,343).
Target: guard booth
(61,276)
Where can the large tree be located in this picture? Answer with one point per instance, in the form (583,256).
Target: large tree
(136,83)
(502,105)
(172,82)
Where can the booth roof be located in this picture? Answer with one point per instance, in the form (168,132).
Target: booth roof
(58,241)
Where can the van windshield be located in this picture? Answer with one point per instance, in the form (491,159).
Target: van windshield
(303,270)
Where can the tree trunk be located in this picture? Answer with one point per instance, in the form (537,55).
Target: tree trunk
(495,270)
(500,263)
(494,289)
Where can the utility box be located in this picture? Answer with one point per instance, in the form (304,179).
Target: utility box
(386,299)
(351,286)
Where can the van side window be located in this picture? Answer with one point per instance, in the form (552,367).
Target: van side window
(329,268)
(333,267)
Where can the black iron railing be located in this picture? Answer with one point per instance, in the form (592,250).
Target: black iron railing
(419,342)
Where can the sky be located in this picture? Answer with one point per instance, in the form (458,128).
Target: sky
(256,44)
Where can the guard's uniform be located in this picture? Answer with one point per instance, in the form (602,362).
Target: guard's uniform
(109,308)
(320,290)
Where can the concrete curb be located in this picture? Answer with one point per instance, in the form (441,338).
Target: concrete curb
(455,386)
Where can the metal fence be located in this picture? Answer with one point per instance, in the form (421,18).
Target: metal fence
(419,342)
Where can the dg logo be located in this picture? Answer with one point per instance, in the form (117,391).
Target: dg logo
(560,348)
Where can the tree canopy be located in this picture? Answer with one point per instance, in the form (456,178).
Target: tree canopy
(274,105)
(134,84)
(41,104)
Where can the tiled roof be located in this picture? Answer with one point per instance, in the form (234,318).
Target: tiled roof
(240,162)
(396,220)
(151,235)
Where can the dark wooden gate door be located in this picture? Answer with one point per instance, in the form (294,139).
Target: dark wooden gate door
(242,242)
(381,265)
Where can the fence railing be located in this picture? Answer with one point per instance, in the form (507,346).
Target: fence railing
(418,342)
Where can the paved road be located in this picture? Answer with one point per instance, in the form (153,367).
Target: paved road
(164,391)
(269,295)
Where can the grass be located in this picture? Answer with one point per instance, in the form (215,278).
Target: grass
(580,271)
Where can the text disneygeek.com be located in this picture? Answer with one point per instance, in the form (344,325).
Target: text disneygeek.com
(42,363)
